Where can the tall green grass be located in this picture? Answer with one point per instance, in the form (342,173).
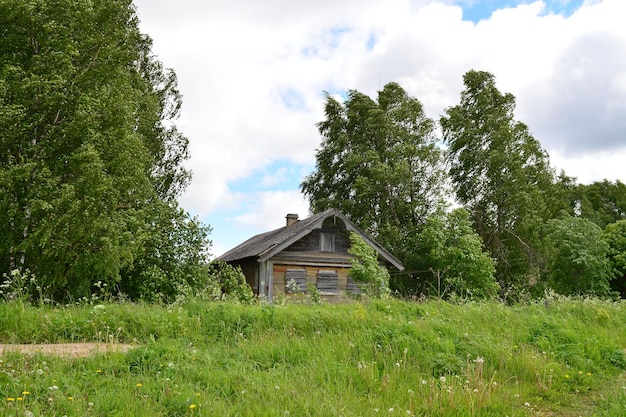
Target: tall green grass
(563,358)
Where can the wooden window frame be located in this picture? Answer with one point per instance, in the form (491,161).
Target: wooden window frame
(329,280)
(299,275)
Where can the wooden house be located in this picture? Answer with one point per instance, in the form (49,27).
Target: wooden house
(303,252)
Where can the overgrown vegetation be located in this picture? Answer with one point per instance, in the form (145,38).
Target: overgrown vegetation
(558,356)
(367,273)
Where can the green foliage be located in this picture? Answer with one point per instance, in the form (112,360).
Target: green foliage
(172,254)
(453,253)
(378,164)
(615,235)
(576,256)
(223,282)
(371,277)
(22,287)
(500,174)
(602,202)
(88,150)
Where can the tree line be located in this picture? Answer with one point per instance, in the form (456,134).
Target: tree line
(473,211)
(91,166)
(90,157)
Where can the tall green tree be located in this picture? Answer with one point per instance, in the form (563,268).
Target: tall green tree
(379,164)
(452,258)
(87,146)
(614,235)
(602,202)
(577,257)
(500,174)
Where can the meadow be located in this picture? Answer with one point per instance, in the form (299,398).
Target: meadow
(554,357)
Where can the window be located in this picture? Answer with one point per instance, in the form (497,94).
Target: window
(327,282)
(295,281)
(327,242)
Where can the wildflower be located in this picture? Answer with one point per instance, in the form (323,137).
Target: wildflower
(39,371)
(566,376)
(25,393)
(192,406)
(424,382)
(442,378)
(99,371)
(53,388)
(588,373)
(197,394)
(580,372)
(479,360)
(20,398)
(139,385)
(527,404)
(9,399)
(391,410)
(70,398)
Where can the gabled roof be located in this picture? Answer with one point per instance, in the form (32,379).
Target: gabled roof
(265,245)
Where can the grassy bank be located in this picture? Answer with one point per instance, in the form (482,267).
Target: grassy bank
(558,358)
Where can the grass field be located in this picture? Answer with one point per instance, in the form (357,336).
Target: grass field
(551,358)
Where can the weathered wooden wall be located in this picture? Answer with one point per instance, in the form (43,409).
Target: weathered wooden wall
(311,242)
(280,283)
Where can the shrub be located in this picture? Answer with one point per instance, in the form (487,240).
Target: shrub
(367,273)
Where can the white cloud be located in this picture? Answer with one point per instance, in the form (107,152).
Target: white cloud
(252,76)
(269,209)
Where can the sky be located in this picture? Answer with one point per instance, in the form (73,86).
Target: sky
(253,76)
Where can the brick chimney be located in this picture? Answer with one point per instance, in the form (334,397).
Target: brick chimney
(291,219)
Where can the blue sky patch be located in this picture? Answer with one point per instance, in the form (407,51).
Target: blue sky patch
(483,9)
(279,175)
(371,42)
(328,39)
(292,99)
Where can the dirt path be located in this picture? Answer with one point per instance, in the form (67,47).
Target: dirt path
(75,350)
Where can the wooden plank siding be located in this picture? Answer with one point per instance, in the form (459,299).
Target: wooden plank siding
(311,242)
(312,271)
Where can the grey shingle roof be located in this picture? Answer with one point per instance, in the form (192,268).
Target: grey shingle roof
(266,245)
